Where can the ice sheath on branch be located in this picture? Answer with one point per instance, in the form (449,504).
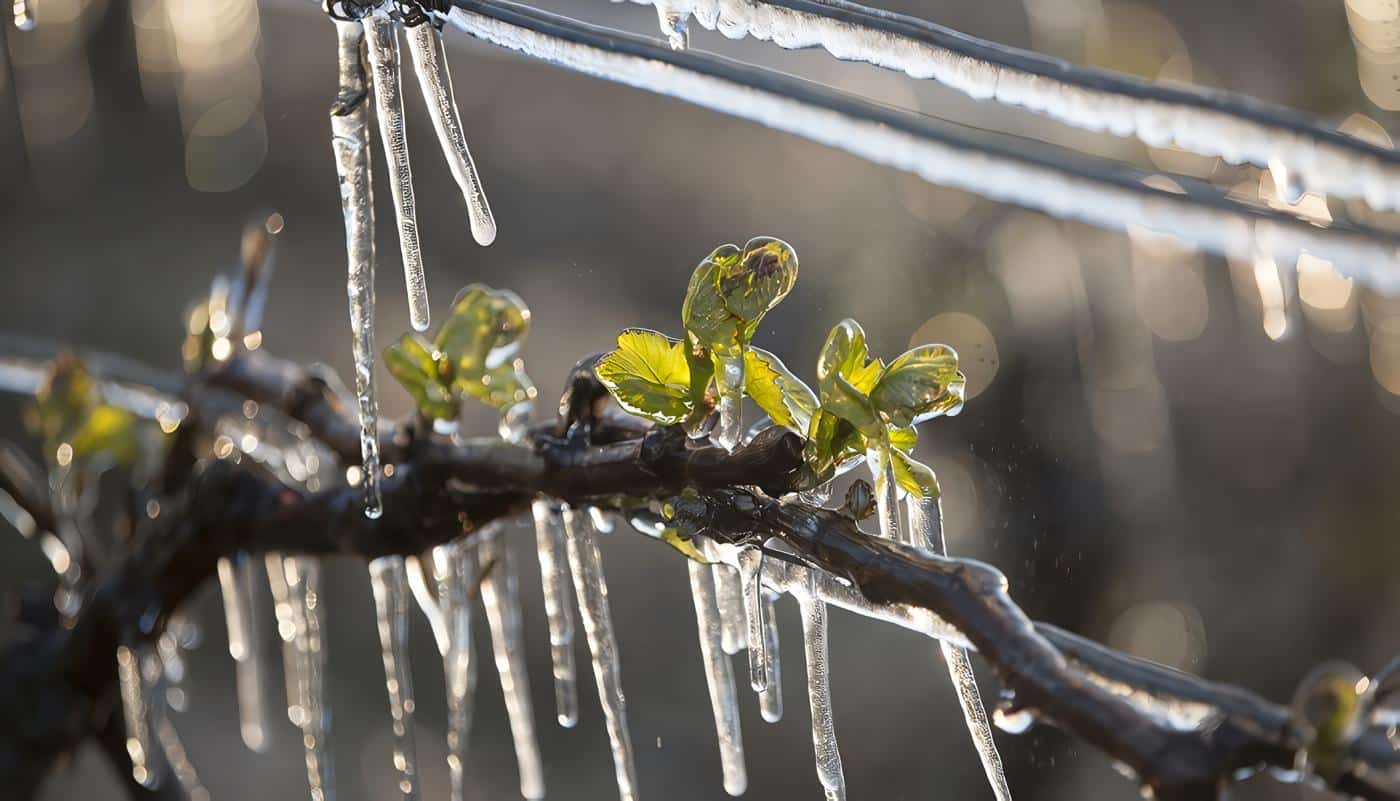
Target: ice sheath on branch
(1302,153)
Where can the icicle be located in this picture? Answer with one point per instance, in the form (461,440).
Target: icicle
(704,584)
(730,380)
(136,713)
(886,493)
(305,583)
(554,580)
(236,582)
(586,565)
(926,531)
(770,698)
(675,25)
(502,602)
(350,143)
(178,760)
(829,771)
(764,673)
(389,579)
(729,593)
(287,632)
(382,37)
(430,62)
(454,569)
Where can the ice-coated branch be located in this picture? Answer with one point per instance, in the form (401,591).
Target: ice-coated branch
(1184,737)
(1065,185)
(1304,153)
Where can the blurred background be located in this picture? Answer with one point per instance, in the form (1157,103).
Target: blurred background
(1188,459)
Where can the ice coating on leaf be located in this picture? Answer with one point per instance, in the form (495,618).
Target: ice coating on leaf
(389,581)
(1090,195)
(586,566)
(719,677)
(350,134)
(554,582)
(454,570)
(814,645)
(236,581)
(430,63)
(382,38)
(1312,161)
(649,375)
(926,531)
(729,599)
(502,601)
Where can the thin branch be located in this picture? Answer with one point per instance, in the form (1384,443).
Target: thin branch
(1210,122)
(1106,195)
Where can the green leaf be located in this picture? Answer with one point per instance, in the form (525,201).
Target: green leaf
(703,313)
(762,275)
(915,477)
(903,439)
(649,375)
(679,540)
(108,431)
(922,383)
(502,387)
(843,367)
(421,371)
(789,401)
(483,330)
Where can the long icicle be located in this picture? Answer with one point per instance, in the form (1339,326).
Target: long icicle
(501,599)
(381,33)
(829,772)
(285,609)
(765,674)
(586,565)
(719,677)
(554,581)
(454,569)
(430,63)
(311,650)
(926,528)
(136,712)
(236,582)
(389,580)
(350,134)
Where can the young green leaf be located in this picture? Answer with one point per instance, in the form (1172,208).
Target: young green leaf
(484,329)
(649,375)
(424,374)
(914,476)
(108,431)
(922,383)
(841,370)
(502,387)
(762,275)
(703,312)
(789,401)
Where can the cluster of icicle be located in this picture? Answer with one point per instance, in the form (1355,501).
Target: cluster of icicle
(374,38)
